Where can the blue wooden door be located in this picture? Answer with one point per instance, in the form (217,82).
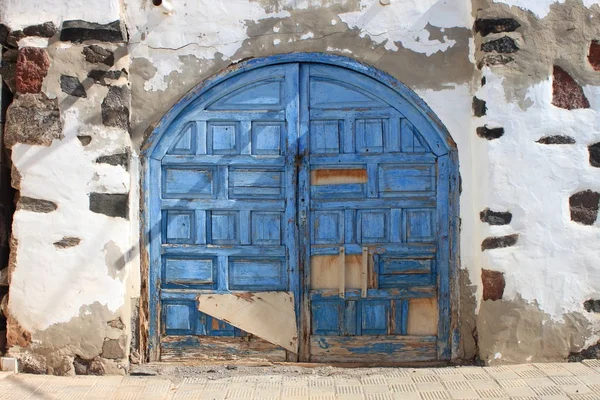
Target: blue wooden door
(228,205)
(310,181)
(369,188)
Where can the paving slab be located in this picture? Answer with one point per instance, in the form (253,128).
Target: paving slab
(551,381)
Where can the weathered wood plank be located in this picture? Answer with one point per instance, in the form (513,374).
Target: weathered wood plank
(422,317)
(416,292)
(324,272)
(372,348)
(268,315)
(195,348)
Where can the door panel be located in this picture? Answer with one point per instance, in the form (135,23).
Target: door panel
(372,225)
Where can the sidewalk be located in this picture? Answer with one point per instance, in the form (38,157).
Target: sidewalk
(577,381)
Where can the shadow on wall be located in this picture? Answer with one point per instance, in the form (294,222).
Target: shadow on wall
(7,195)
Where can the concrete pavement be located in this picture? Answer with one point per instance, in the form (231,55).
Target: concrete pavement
(575,381)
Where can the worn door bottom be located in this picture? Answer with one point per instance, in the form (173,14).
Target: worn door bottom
(207,348)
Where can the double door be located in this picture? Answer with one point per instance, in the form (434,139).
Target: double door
(299,213)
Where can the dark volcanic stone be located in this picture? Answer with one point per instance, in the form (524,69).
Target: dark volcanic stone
(594,55)
(566,93)
(46,30)
(592,306)
(87,367)
(78,31)
(495,25)
(495,59)
(115,107)
(591,353)
(101,77)
(4,32)
(32,119)
(503,45)
(115,159)
(495,217)
(95,54)
(556,139)
(13,38)
(584,207)
(113,205)
(84,139)
(497,242)
(71,86)
(66,242)
(594,151)
(479,107)
(490,133)
(493,284)
(32,68)
(36,205)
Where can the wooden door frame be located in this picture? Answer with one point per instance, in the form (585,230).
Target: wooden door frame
(414,108)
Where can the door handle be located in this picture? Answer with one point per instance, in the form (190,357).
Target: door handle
(302,217)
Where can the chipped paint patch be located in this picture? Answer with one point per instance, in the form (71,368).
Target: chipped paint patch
(405,23)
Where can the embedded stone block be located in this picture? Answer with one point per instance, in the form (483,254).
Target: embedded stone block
(485,26)
(45,30)
(9,364)
(66,242)
(114,348)
(594,151)
(495,217)
(594,55)
(566,93)
(493,284)
(36,205)
(592,306)
(505,45)
(32,68)
(78,31)
(88,367)
(479,107)
(498,242)
(489,133)
(584,207)
(105,77)
(71,86)
(121,159)
(556,139)
(113,205)
(34,120)
(95,54)
(115,107)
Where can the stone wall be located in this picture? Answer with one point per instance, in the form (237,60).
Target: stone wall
(515,83)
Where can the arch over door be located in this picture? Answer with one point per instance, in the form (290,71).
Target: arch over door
(301,210)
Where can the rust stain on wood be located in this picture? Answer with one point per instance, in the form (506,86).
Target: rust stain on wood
(338,176)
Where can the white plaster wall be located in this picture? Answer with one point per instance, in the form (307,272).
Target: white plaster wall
(541,8)
(50,285)
(205,28)
(18,14)
(405,22)
(554,263)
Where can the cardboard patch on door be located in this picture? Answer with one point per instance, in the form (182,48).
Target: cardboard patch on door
(268,315)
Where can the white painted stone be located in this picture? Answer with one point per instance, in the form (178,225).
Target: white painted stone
(19,14)
(8,364)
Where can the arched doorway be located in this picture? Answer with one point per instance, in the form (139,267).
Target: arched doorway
(301,207)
